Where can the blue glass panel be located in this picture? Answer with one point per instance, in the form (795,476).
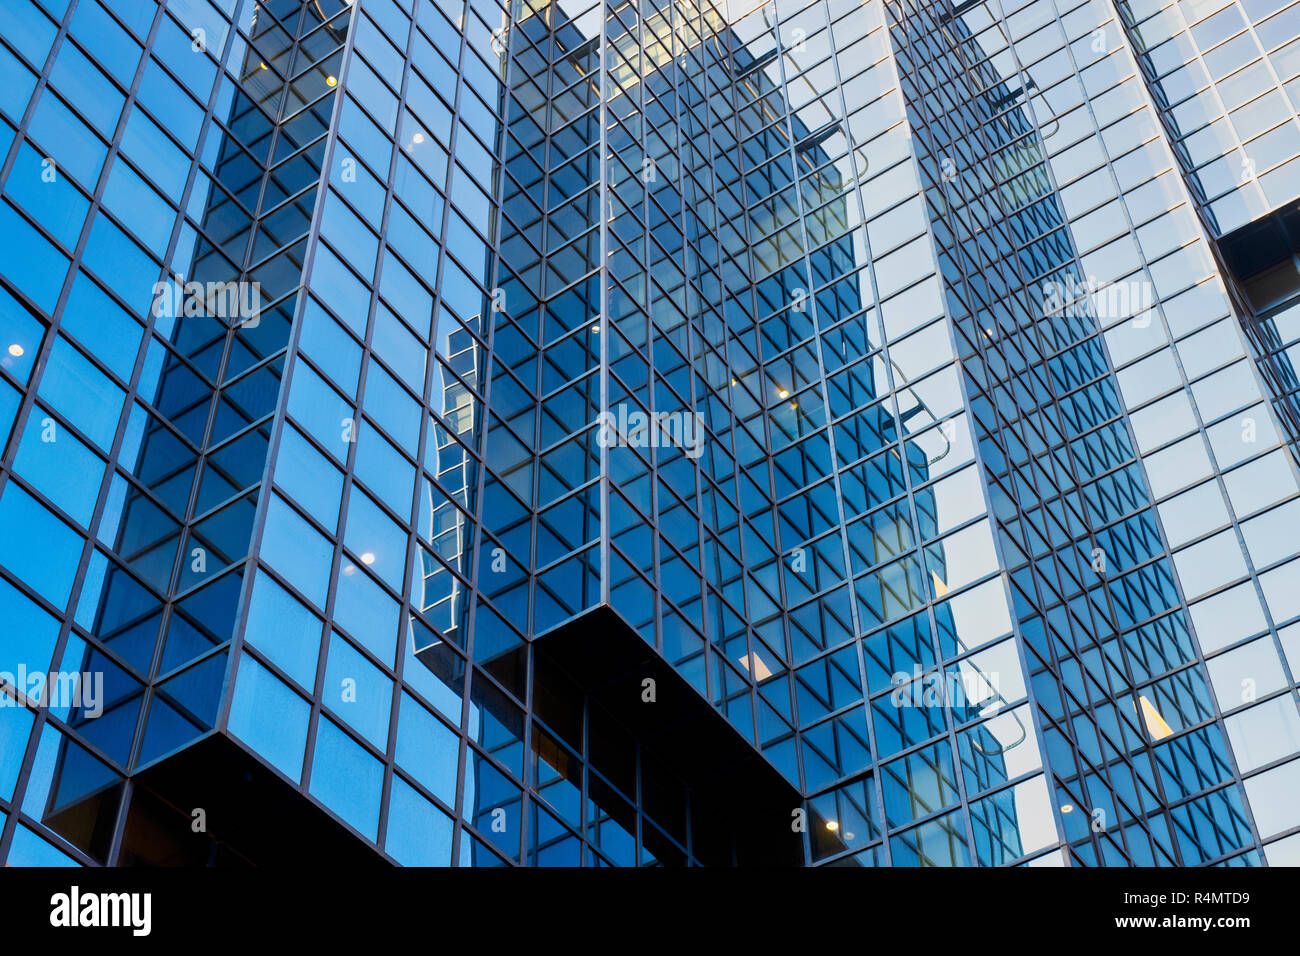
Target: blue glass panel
(20,337)
(309,478)
(29,260)
(376,539)
(97,322)
(367,613)
(297,550)
(30,850)
(340,290)
(331,348)
(347,779)
(81,393)
(83,83)
(322,411)
(392,407)
(139,207)
(419,834)
(67,140)
(37,546)
(61,467)
(284,630)
(110,44)
(171,104)
(49,198)
(358,692)
(385,471)
(269,717)
(122,265)
(937,843)
(15,726)
(154,153)
(427,749)
(31,33)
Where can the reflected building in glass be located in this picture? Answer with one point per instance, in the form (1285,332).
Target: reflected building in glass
(649,432)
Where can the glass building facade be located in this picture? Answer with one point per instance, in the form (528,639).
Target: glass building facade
(650,432)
